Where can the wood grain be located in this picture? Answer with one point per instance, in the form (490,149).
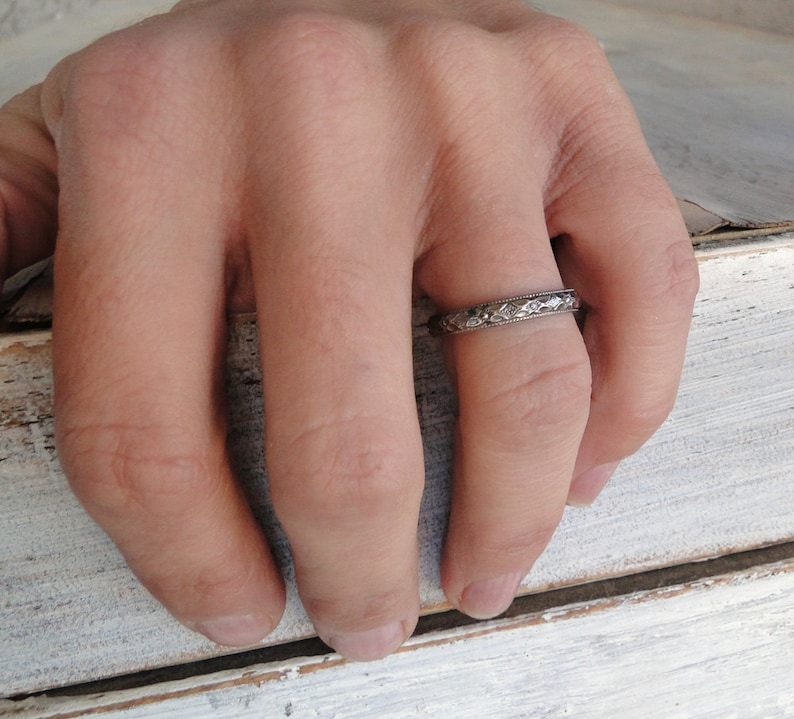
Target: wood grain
(718,108)
(770,15)
(714,648)
(16,16)
(714,480)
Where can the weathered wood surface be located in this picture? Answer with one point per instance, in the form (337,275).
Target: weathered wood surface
(712,648)
(16,16)
(714,480)
(770,15)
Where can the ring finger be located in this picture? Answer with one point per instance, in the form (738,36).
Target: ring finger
(523,389)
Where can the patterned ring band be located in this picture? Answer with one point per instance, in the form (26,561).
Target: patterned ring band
(502,312)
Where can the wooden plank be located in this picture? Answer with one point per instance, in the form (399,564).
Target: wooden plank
(713,648)
(714,480)
(770,15)
(72,612)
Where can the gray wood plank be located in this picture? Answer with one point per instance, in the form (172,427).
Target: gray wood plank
(769,15)
(709,649)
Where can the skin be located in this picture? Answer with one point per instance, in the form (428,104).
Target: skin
(317,160)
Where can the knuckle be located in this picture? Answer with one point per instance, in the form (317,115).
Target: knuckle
(681,281)
(667,269)
(668,281)
(342,473)
(449,44)
(555,44)
(454,61)
(637,418)
(519,548)
(116,86)
(571,89)
(204,590)
(576,41)
(120,469)
(637,412)
(317,52)
(550,401)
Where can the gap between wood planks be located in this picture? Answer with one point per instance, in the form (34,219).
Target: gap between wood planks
(522,607)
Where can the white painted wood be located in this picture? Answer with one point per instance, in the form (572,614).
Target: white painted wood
(715,648)
(770,15)
(16,16)
(715,479)
(716,104)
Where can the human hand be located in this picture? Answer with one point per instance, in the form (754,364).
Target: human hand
(316,161)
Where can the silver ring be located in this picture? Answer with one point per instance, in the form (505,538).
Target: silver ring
(502,312)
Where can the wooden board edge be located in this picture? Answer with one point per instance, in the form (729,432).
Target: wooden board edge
(65,707)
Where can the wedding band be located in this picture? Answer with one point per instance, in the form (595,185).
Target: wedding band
(502,312)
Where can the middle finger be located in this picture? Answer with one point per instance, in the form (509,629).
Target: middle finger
(332,258)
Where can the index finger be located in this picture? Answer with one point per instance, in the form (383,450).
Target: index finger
(138,341)
(333,264)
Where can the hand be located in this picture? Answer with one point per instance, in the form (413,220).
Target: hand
(316,162)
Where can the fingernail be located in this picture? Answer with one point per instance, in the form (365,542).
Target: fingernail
(235,631)
(369,645)
(587,486)
(486,599)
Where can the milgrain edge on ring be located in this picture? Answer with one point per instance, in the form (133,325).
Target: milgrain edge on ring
(502,312)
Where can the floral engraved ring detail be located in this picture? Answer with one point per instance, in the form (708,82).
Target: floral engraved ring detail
(502,312)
